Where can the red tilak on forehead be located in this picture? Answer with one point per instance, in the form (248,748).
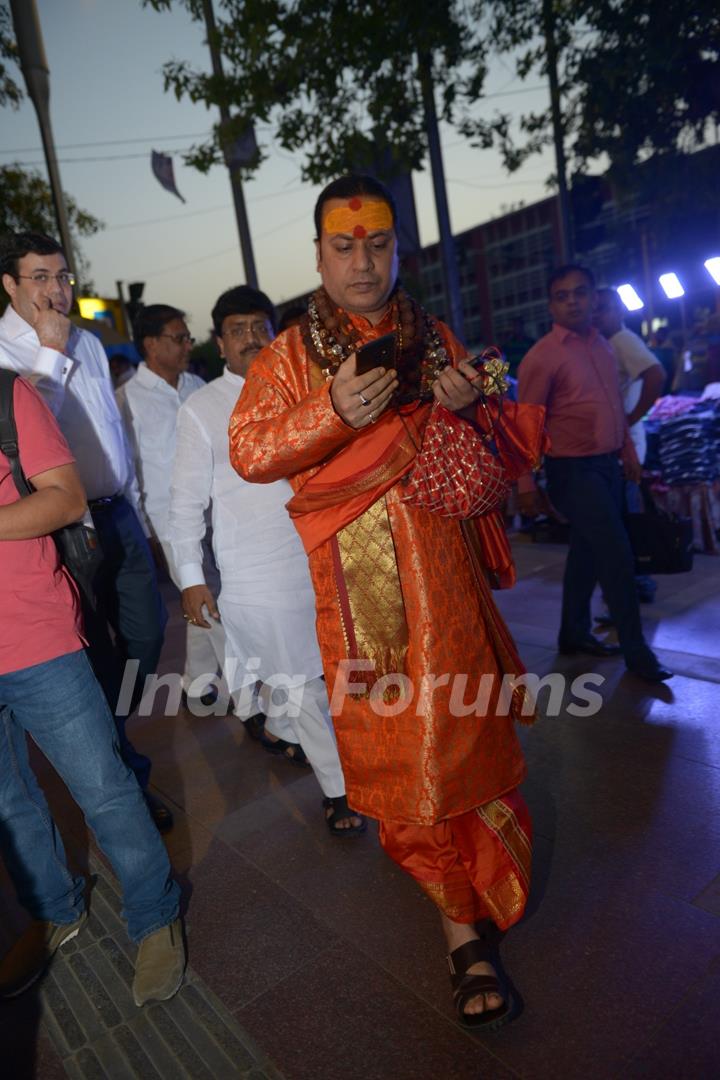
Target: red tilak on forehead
(360,231)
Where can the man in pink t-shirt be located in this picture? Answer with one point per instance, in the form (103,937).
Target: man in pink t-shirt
(573,373)
(48,691)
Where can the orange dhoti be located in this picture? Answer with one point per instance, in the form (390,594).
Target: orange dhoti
(475,866)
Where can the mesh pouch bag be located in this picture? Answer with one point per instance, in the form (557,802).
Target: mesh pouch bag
(456,471)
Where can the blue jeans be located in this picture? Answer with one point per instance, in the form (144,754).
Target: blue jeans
(61,706)
(127,597)
(588,491)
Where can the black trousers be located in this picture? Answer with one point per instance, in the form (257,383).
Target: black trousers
(588,491)
(129,604)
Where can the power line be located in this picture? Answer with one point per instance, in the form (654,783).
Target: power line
(225,251)
(190,262)
(197,213)
(169,217)
(511,93)
(494,187)
(96,160)
(188,135)
(109,142)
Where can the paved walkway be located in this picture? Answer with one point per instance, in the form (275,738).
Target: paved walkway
(314,958)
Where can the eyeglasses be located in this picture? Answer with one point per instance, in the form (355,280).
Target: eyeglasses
(180,339)
(578,294)
(64,279)
(259,328)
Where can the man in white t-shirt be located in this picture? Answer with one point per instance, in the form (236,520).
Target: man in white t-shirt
(642,377)
(641,373)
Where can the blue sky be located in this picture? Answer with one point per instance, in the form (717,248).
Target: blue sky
(105,59)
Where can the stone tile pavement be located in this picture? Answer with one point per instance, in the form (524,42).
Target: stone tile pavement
(316,959)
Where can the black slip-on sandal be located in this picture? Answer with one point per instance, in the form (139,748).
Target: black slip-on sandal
(291,751)
(466,986)
(341,812)
(255,726)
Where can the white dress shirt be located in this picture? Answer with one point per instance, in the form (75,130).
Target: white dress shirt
(633,358)
(149,406)
(78,388)
(267,601)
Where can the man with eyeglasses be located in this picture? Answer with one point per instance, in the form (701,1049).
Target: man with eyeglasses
(69,368)
(572,372)
(149,405)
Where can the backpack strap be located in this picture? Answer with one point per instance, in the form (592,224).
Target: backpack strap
(8,431)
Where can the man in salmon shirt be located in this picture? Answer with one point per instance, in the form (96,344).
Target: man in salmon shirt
(572,371)
(402,598)
(48,691)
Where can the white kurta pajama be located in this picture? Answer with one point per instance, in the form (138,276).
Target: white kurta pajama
(266,601)
(149,407)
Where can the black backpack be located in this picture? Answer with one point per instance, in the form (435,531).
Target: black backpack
(77,544)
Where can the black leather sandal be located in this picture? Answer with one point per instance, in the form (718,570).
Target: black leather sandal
(255,726)
(465,987)
(292,752)
(341,812)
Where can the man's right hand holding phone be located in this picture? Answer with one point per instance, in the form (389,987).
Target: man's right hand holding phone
(360,399)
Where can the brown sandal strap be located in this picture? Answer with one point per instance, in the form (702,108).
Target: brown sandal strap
(478,984)
(472,952)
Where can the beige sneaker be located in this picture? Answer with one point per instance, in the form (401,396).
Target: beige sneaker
(32,952)
(160,964)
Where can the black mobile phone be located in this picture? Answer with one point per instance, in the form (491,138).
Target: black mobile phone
(378,353)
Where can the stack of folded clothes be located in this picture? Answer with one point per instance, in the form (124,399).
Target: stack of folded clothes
(687,444)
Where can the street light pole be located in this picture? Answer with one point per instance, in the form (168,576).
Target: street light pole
(34,67)
(451,277)
(566,237)
(235,181)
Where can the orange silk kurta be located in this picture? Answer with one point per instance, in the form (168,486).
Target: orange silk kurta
(421,764)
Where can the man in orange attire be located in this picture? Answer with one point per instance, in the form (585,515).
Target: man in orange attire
(403,605)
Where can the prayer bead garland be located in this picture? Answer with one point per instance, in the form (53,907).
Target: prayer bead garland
(330,337)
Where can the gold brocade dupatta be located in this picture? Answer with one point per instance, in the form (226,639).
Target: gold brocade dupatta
(342,503)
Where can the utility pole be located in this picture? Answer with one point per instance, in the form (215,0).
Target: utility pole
(566,237)
(451,277)
(647,279)
(235,181)
(35,69)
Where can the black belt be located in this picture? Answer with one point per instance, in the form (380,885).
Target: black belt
(104,503)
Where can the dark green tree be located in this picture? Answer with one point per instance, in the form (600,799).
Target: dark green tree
(26,205)
(637,79)
(10,92)
(338,81)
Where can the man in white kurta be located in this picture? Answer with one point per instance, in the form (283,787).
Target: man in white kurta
(266,601)
(149,405)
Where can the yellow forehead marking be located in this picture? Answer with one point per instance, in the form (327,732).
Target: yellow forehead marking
(359,217)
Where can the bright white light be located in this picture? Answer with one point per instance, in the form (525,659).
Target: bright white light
(713,268)
(671,286)
(629,297)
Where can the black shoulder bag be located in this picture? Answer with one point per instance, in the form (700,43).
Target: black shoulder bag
(662,542)
(77,544)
